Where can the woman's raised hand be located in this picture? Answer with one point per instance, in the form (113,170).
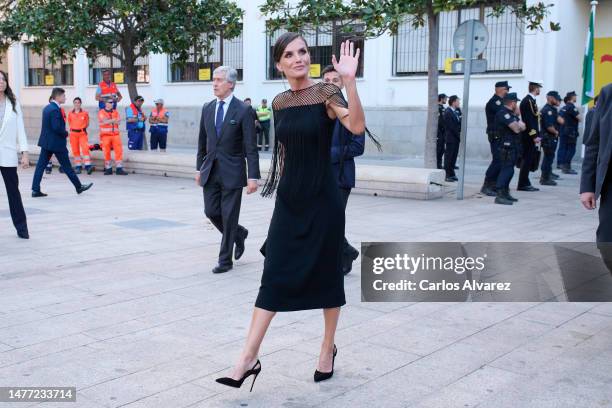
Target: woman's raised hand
(346,67)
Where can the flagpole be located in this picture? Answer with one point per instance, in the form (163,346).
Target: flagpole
(590,36)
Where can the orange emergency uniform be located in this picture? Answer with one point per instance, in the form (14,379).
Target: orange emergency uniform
(78,123)
(110,138)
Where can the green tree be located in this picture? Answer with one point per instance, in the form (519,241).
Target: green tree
(125,29)
(382,16)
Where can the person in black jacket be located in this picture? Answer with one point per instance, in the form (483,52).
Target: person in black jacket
(52,142)
(344,148)
(227,138)
(493,106)
(596,180)
(442,99)
(530,138)
(452,135)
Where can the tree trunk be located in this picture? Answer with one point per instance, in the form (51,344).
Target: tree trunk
(431,130)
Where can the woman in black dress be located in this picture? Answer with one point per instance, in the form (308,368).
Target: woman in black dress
(303,264)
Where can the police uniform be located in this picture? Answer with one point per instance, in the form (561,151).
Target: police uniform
(452,138)
(492,107)
(568,135)
(548,118)
(440,136)
(530,115)
(507,150)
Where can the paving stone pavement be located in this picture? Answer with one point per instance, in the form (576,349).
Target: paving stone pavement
(114,294)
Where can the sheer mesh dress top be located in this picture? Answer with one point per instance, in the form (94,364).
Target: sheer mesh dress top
(303,251)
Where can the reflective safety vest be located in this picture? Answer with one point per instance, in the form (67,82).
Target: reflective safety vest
(267,114)
(135,114)
(108,129)
(108,90)
(78,121)
(159,127)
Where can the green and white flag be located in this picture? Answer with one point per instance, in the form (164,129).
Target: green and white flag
(588,64)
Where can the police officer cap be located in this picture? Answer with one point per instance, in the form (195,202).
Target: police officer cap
(554,94)
(570,94)
(441,96)
(511,96)
(502,84)
(537,82)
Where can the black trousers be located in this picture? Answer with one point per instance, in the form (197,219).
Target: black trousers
(529,155)
(222,208)
(264,135)
(347,249)
(450,156)
(439,150)
(11,182)
(64,161)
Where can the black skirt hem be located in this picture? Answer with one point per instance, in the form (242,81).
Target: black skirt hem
(296,308)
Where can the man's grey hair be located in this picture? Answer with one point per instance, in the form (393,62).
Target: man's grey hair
(231,75)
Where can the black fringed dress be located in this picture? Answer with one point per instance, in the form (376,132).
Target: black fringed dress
(303,264)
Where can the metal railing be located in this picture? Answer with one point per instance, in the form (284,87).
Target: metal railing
(503,54)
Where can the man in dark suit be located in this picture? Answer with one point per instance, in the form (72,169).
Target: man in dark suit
(596,180)
(442,99)
(227,137)
(452,130)
(52,141)
(344,148)
(530,138)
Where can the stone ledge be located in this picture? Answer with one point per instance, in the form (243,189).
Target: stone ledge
(385,181)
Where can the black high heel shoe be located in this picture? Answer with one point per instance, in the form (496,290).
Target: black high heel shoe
(230,382)
(319,376)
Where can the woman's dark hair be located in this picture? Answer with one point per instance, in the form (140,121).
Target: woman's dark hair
(77,99)
(9,92)
(282,42)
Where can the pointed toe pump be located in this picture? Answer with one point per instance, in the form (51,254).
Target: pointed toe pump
(320,376)
(230,382)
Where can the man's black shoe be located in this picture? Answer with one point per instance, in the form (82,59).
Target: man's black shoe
(555,176)
(108,172)
(48,170)
(90,170)
(221,268)
(548,182)
(38,194)
(23,234)
(84,187)
(451,179)
(121,172)
(569,171)
(488,190)
(527,188)
(239,250)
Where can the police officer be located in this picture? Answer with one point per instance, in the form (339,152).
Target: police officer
(550,124)
(491,109)
(530,138)
(452,134)
(569,133)
(442,98)
(508,127)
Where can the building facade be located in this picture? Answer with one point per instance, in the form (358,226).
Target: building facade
(392,75)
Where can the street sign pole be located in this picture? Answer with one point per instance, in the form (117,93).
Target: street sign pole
(469,45)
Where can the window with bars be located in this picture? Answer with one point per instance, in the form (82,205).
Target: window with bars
(504,52)
(323,41)
(103,62)
(41,71)
(201,64)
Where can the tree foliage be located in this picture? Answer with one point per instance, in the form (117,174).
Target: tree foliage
(125,29)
